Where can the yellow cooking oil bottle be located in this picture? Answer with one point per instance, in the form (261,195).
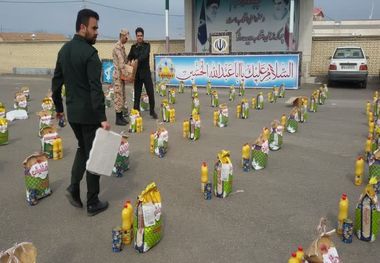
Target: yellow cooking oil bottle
(368,108)
(359,170)
(151,142)
(293,258)
(186,128)
(300,254)
(216,117)
(126,223)
(283,120)
(343,213)
(238,111)
(368,145)
(204,176)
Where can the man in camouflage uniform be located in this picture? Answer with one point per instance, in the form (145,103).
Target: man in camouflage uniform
(119,62)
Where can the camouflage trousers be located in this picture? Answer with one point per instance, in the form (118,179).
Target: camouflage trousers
(119,95)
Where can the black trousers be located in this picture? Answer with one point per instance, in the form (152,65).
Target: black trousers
(148,84)
(85,134)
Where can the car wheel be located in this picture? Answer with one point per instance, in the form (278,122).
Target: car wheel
(363,84)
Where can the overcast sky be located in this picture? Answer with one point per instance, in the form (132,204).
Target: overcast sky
(60,17)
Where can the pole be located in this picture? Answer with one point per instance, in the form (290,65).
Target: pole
(167,24)
(291,25)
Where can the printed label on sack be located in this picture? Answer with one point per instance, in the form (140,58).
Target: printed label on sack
(22,104)
(124,149)
(225,172)
(39,170)
(149,214)
(45,120)
(3,128)
(331,256)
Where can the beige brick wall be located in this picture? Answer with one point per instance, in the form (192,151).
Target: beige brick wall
(323,48)
(44,54)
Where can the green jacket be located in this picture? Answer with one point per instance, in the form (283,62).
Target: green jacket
(79,68)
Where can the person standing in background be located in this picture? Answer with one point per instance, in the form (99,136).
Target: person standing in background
(78,67)
(141,51)
(120,61)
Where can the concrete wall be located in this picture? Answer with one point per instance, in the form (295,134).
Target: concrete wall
(44,54)
(305,37)
(323,48)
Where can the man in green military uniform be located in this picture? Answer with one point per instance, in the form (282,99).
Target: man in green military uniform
(78,67)
(141,51)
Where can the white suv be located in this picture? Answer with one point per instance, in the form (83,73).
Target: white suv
(348,64)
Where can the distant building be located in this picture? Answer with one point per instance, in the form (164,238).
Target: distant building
(347,28)
(318,14)
(28,36)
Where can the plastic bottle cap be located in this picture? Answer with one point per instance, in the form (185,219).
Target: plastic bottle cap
(127,203)
(294,255)
(344,196)
(204,164)
(360,157)
(300,249)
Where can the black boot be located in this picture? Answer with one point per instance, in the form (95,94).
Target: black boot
(120,119)
(154,115)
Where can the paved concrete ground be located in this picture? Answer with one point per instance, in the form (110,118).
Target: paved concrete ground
(278,210)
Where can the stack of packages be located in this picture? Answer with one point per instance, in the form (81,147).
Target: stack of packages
(208,87)
(260,151)
(281,93)
(192,127)
(144,103)
(214,99)
(271,97)
(3,131)
(232,93)
(20,102)
(194,90)
(253,103)
(147,223)
(276,93)
(51,143)
(275,138)
(242,89)
(242,109)
(223,174)
(181,87)
(36,177)
(260,101)
(167,112)
(221,116)
(135,121)
(122,159)
(159,142)
(171,96)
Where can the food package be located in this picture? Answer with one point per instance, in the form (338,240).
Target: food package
(276,136)
(2,110)
(321,96)
(171,96)
(181,87)
(276,93)
(135,121)
(3,131)
(208,87)
(322,249)
(25,90)
(107,99)
(162,89)
(36,177)
(313,105)
(260,101)
(292,123)
(367,213)
(232,93)
(223,175)
(130,69)
(122,159)
(20,102)
(48,104)
(46,120)
(214,99)
(48,136)
(195,105)
(259,153)
(244,109)
(195,127)
(161,139)
(242,89)
(147,221)
(194,90)
(24,252)
(222,120)
(167,112)
(282,91)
